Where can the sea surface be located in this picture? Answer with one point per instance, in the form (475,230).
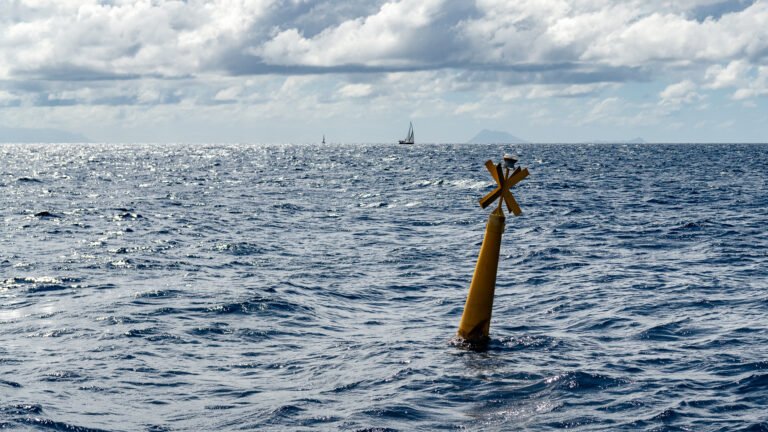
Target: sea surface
(307,287)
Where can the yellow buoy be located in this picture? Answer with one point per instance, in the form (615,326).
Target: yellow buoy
(476,320)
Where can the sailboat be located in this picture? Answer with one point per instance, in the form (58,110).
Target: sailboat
(408,138)
(323,138)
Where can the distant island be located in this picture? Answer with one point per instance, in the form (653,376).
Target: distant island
(28,135)
(486,136)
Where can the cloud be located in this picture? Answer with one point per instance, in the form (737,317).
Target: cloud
(228,94)
(575,90)
(748,81)
(51,39)
(602,109)
(757,86)
(122,40)
(729,76)
(356,90)
(672,39)
(542,41)
(627,34)
(402,35)
(680,93)
(467,108)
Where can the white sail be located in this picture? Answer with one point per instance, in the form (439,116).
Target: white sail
(409,137)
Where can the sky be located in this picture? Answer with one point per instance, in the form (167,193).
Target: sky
(267,71)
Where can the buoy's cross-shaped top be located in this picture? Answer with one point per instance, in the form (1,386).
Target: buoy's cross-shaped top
(503,184)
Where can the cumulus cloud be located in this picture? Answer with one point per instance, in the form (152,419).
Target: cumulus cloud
(574,90)
(680,93)
(747,81)
(467,108)
(602,109)
(356,90)
(228,94)
(597,40)
(400,35)
(127,39)
(121,38)
(731,75)
(758,86)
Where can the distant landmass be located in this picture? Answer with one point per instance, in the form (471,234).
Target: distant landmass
(486,136)
(28,135)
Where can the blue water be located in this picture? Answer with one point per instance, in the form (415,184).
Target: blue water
(287,287)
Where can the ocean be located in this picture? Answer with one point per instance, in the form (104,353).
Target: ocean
(165,287)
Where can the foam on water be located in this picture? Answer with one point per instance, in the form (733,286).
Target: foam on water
(284,287)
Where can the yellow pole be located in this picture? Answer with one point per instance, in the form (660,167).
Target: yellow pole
(476,320)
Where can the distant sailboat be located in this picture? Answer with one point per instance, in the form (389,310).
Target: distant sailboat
(408,138)
(323,138)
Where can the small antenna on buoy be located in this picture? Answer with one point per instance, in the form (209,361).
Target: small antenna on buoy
(509,161)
